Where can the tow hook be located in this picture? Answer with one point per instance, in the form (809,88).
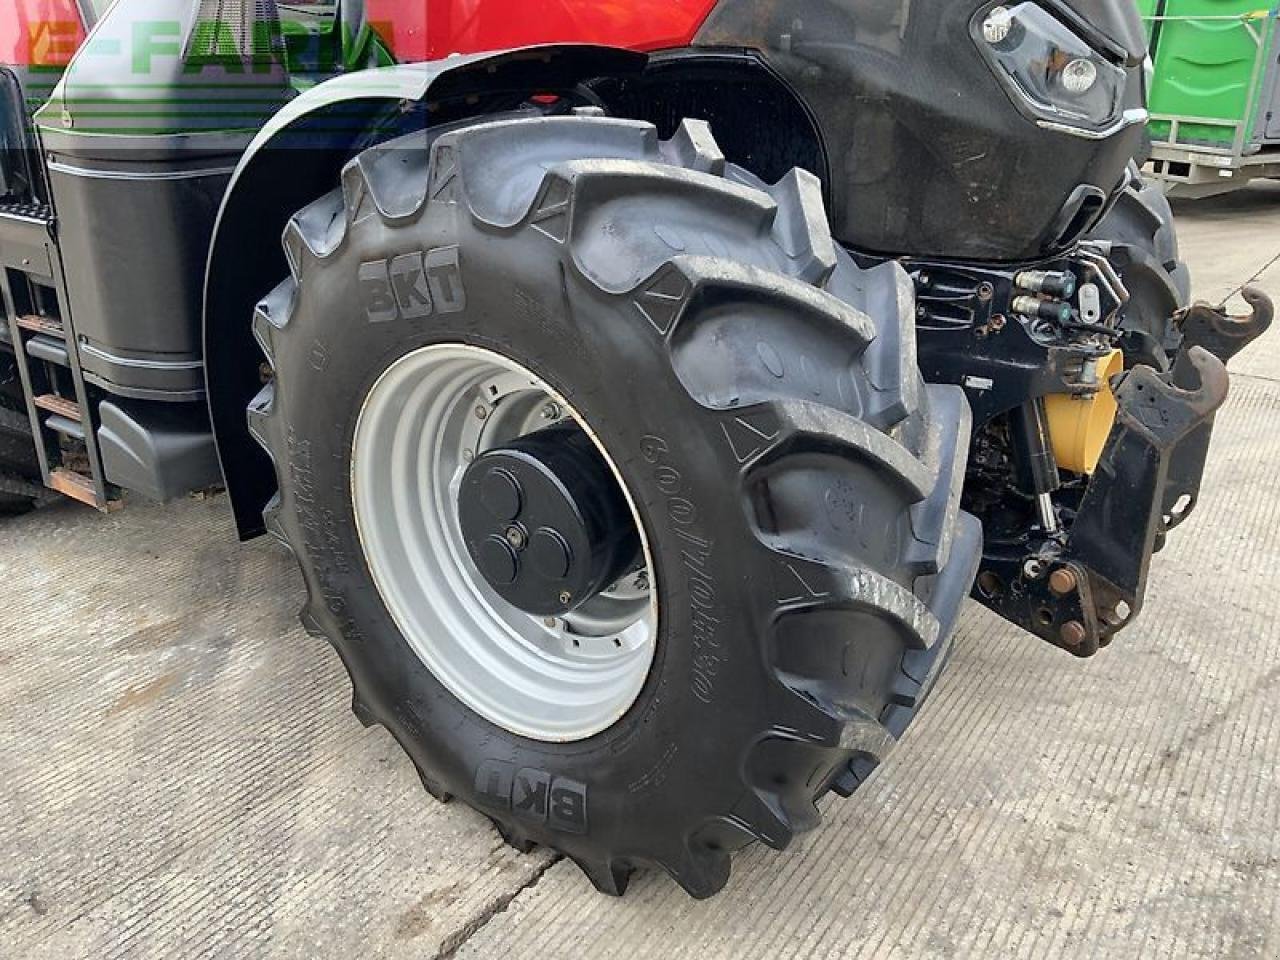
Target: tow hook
(1223,336)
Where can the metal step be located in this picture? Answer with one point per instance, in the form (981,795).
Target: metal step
(49,326)
(79,487)
(59,405)
(37,212)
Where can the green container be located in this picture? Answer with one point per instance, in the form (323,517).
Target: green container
(1216,71)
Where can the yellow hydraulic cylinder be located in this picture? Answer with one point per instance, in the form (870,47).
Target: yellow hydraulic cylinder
(1079,425)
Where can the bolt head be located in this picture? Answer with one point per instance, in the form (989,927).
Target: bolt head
(1062,582)
(482,412)
(565,597)
(516,537)
(1072,634)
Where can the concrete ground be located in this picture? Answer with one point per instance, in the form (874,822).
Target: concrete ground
(181,775)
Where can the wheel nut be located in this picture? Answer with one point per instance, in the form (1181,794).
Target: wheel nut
(516,537)
(1062,582)
(1072,633)
(482,412)
(551,411)
(565,597)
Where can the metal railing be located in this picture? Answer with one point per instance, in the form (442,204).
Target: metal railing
(1254,24)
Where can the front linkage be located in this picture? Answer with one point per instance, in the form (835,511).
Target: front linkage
(1079,467)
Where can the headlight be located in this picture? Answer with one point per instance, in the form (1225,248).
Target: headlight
(1063,82)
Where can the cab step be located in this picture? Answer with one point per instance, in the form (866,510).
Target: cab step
(79,487)
(59,405)
(62,409)
(50,326)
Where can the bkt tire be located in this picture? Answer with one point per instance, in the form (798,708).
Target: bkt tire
(521,318)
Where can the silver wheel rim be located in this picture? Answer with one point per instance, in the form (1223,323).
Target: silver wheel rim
(553,679)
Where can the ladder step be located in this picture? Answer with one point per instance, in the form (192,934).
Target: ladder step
(74,485)
(66,426)
(27,211)
(46,348)
(78,487)
(59,405)
(38,324)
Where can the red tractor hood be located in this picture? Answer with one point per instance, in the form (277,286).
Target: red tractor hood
(474,26)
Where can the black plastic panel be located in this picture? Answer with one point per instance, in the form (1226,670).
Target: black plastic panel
(928,154)
(159,450)
(135,261)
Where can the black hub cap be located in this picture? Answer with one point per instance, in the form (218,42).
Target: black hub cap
(546,522)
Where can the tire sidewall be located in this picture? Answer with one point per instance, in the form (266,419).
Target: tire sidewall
(702,704)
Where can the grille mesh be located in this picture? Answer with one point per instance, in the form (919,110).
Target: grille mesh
(244,31)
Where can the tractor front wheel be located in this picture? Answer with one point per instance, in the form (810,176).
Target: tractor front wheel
(614,483)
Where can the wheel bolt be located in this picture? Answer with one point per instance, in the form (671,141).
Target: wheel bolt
(482,412)
(516,537)
(565,597)
(551,411)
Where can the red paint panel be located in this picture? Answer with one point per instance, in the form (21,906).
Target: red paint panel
(473,26)
(402,24)
(39,33)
